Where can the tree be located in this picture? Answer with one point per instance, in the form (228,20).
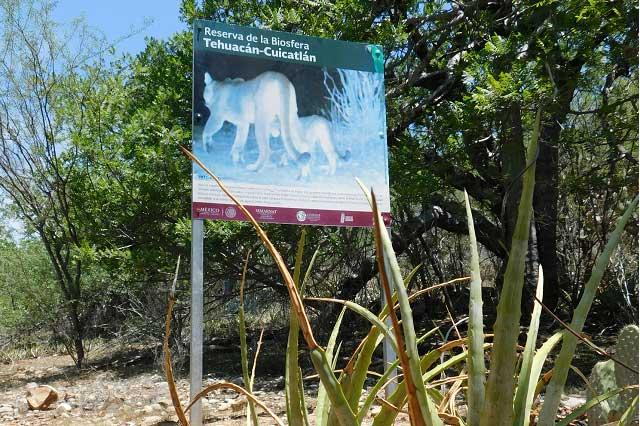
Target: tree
(38,70)
(463,81)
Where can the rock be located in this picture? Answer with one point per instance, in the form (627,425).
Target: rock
(224,406)
(63,408)
(6,409)
(152,421)
(162,389)
(238,405)
(375,410)
(31,385)
(165,403)
(152,409)
(112,404)
(21,405)
(41,397)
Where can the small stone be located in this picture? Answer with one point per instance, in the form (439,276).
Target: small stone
(152,409)
(375,410)
(238,405)
(21,405)
(63,408)
(151,421)
(41,397)
(224,406)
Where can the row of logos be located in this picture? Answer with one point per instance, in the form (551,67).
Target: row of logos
(269,214)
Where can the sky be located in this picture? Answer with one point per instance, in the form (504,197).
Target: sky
(118,18)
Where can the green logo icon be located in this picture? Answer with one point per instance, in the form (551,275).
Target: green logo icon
(378,57)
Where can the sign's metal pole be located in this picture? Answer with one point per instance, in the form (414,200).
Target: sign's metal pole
(389,355)
(197,303)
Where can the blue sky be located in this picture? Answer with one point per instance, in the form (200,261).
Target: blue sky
(117,18)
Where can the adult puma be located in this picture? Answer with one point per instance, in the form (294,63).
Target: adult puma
(262,101)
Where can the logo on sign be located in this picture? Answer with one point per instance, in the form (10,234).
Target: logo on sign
(344,218)
(301,216)
(213,211)
(230,212)
(266,213)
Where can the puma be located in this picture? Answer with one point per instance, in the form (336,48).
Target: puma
(316,130)
(262,101)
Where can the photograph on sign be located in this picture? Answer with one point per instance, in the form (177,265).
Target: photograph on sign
(287,122)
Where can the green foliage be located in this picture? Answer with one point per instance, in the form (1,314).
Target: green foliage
(29,299)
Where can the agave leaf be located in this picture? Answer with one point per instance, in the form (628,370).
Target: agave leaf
(535,386)
(363,312)
(354,376)
(630,413)
(339,403)
(168,366)
(253,376)
(243,345)
(422,411)
(312,262)
(384,380)
(498,403)
(589,404)
(293,396)
(255,358)
(521,405)
(303,402)
(322,404)
(561,369)
(387,416)
(475,363)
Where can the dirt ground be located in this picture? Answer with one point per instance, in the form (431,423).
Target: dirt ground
(130,389)
(125,395)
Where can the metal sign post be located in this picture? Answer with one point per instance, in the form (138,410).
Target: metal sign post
(197,304)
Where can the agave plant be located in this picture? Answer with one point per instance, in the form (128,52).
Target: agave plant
(509,393)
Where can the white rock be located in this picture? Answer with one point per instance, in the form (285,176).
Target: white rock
(21,405)
(162,388)
(152,409)
(63,408)
(151,421)
(375,410)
